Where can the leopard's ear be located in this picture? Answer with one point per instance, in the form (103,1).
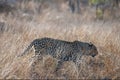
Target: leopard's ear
(90,44)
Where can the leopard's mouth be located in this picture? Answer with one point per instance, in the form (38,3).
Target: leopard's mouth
(94,55)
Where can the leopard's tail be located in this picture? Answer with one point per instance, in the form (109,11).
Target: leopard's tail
(27,49)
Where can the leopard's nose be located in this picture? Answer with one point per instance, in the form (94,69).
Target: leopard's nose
(93,55)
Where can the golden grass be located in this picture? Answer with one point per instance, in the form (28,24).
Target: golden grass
(24,28)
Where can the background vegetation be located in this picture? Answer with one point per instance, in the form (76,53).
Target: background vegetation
(27,20)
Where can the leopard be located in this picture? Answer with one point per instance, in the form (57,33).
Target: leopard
(62,50)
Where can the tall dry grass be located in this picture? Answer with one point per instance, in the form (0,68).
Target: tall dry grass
(21,28)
